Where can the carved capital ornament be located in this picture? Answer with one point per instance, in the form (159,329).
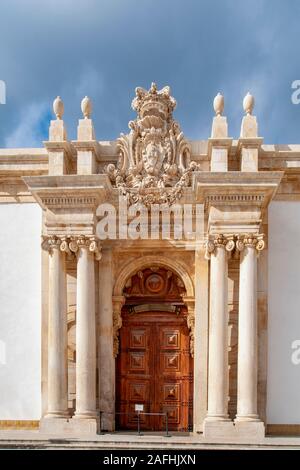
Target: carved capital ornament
(71,244)
(234,242)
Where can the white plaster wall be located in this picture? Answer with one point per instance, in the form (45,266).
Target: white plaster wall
(283,387)
(20,311)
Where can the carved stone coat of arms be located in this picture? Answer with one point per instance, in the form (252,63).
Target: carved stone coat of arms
(154,158)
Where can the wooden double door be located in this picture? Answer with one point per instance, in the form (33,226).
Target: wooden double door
(154,368)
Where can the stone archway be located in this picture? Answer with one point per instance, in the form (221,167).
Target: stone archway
(132,267)
(154,353)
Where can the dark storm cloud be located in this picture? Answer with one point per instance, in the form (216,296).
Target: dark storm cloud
(106,48)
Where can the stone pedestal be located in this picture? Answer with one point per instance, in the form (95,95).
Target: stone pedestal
(70,427)
(230,432)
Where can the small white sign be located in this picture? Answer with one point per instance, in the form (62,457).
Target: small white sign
(139,407)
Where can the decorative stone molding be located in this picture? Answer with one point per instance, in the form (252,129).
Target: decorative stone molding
(131,267)
(190,303)
(55,201)
(240,198)
(155,154)
(71,244)
(233,199)
(118,302)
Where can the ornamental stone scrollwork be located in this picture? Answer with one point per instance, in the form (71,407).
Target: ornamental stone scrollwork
(118,302)
(154,158)
(71,244)
(190,320)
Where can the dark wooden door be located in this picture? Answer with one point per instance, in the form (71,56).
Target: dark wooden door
(154,368)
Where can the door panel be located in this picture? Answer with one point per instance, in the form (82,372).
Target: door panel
(154,368)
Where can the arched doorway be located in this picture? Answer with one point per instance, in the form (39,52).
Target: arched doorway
(154,366)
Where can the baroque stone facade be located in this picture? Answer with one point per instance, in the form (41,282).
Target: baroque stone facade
(211,277)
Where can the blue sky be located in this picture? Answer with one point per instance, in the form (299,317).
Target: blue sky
(105,48)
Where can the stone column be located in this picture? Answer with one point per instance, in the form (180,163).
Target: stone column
(218,329)
(85,329)
(249,247)
(57,332)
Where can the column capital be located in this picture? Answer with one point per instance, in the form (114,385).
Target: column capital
(74,243)
(71,244)
(218,241)
(51,243)
(250,240)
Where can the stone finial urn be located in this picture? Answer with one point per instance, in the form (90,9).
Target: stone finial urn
(58,107)
(86,107)
(219,104)
(248,103)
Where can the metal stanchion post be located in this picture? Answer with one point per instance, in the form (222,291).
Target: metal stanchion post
(139,428)
(167,426)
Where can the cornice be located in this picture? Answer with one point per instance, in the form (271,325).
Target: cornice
(68,191)
(236,187)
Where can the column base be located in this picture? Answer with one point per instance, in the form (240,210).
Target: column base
(246,418)
(68,427)
(86,415)
(213,418)
(57,415)
(237,431)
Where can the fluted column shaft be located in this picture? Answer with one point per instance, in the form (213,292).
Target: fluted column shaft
(247,330)
(85,333)
(57,332)
(218,332)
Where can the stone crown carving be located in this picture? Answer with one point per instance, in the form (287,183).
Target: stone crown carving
(154,158)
